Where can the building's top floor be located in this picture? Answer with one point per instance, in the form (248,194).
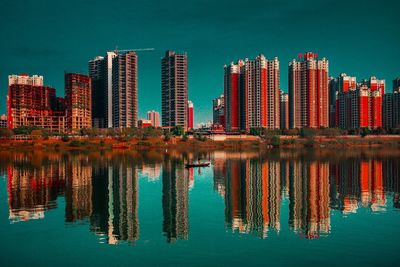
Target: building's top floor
(35,80)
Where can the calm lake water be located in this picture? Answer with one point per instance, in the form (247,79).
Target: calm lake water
(297,207)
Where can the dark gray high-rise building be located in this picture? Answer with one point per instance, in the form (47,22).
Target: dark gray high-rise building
(174,89)
(100,70)
(125,90)
(391,107)
(114,90)
(396,84)
(284,110)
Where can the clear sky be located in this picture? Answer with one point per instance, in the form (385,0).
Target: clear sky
(360,38)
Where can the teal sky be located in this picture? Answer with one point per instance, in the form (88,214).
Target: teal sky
(360,38)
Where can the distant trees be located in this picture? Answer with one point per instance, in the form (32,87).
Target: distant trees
(177,131)
(5,133)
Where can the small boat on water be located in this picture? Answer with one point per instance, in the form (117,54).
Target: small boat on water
(200,164)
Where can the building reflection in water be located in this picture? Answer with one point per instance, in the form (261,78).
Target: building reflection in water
(175,200)
(253,190)
(115,203)
(33,188)
(102,190)
(309,212)
(252,196)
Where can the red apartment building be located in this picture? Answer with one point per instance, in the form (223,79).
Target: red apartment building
(29,103)
(190,115)
(360,106)
(308,92)
(251,94)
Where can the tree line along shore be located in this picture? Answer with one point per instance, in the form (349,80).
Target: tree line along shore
(136,138)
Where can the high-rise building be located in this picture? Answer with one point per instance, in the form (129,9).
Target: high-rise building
(174,89)
(101,72)
(29,103)
(333,91)
(284,111)
(34,80)
(360,107)
(190,114)
(231,96)
(375,84)
(3,121)
(340,85)
(219,110)
(125,90)
(391,108)
(251,94)
(308,92)
(154,117)
(396,84)
(99,96)
(78,101)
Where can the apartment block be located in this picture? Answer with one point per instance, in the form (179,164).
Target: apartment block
(251,94)
(308,91)
(174,89)
(78,101)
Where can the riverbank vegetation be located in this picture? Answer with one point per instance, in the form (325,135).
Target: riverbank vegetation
(150,138)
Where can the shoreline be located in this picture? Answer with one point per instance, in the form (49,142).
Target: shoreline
(178,143)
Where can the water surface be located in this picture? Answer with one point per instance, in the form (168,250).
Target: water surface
(296,207)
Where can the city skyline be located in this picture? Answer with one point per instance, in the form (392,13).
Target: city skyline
(205,43)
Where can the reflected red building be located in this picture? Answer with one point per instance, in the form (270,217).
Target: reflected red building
(309,211)
(253,194)
(32,190)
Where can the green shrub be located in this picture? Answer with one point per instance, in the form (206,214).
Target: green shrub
(275,141)
(65,138)
(75,143)
(167,136)
(143,143)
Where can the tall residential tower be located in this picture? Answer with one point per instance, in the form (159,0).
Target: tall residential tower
(125,90)
(308,92)
(251,94)
(174,89)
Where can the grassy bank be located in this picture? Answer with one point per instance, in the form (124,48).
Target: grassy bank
(86,143)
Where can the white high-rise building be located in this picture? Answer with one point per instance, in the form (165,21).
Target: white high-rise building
(34,80)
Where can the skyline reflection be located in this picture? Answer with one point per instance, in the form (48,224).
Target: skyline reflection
(102,190)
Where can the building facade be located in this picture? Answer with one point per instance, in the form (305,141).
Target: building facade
(251,94)
(174,89)
(190,114)
(154,117)
(101,72)
(360,107)
(391,108)
(142,123)
(284,111)
(3,121)
(30,103)
(396,84)
(308,92)
(99,95)
(340,85)
(78,101)
(125,90)
(231,96)
(35,80)
(219,110)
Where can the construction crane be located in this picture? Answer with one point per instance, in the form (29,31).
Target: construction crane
(134,50)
